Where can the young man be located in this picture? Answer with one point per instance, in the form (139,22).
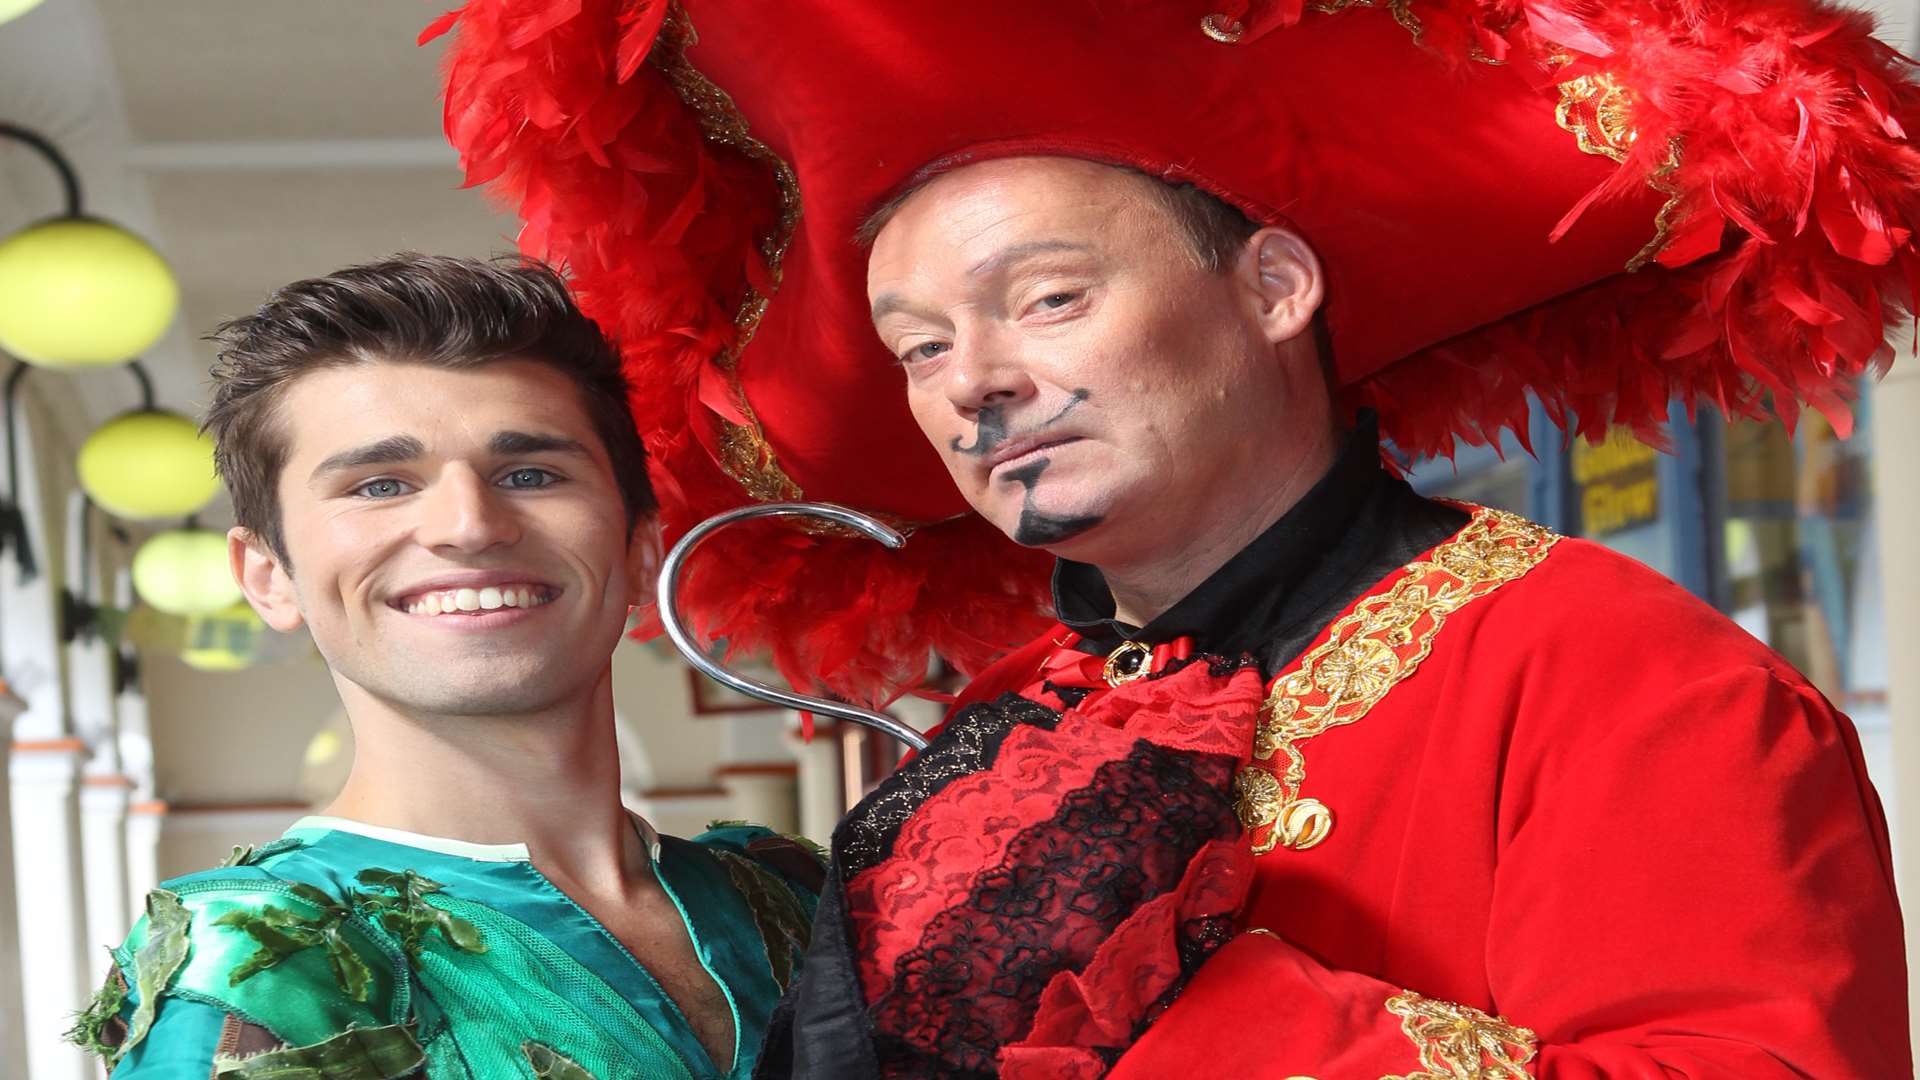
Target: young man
(435,472)
(1313,777)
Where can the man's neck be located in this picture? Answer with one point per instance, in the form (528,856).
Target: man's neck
(1145,587)
(550,781)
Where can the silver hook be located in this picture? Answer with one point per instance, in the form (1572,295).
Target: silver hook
(677,633)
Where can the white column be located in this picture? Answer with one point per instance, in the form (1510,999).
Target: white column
(52,903)
(144,821)
(104,786)
(45,774)
(13,1021)
(1896,445)
(818,781)
(132,735)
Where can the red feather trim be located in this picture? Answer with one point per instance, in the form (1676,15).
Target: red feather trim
(1787,115)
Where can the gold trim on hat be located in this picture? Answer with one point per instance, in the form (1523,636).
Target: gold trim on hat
(745,453)
(1598,110)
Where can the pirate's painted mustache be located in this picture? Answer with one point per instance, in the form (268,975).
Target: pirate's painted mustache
(990,426)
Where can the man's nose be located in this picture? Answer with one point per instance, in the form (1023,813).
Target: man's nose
(986,370)
(463,512)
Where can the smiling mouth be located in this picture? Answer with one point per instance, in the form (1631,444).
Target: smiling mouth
(476,601)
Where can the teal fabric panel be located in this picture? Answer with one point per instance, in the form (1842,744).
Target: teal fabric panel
(180,1044)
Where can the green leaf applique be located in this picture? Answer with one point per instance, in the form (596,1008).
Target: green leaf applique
(90,1025)
(157,962)
(777,914)
(409,917)
(282,933)
(381,1053)
(551,1064)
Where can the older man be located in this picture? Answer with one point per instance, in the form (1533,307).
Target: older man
(1312,776)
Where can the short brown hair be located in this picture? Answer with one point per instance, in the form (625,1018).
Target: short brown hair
(1216,228)
(435,310)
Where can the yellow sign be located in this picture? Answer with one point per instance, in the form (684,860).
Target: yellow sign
(1619,482)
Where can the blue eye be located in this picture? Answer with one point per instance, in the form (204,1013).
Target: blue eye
(1058,300)
(381,489)
(530,478)
(926,351)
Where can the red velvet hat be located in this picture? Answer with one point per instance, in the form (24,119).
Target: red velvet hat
(1605,203)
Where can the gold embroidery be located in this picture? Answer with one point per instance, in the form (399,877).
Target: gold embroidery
(1367,652)
(1599,113)
(1457,1042)
(745,453)
(1401,10)
(1222,29)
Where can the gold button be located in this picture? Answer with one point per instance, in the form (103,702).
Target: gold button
(1222,29)
(1132,660)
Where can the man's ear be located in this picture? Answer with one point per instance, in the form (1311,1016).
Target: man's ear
(1285,281)
(264,580)
(644,553)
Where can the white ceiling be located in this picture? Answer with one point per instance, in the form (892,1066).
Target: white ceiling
(252,142)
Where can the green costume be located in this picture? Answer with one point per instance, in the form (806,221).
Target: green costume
(348,952)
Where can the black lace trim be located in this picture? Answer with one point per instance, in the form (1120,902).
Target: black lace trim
(968,744)
(1217,666)
(1071,696)
(974,982)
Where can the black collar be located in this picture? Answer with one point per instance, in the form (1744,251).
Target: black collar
(1289,574)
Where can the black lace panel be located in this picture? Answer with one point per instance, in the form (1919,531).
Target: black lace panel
(973,983)
(968,743)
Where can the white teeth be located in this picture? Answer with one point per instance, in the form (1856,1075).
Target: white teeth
(489,598)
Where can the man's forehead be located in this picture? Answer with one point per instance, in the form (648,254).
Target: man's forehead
(441,408)
(1057,186)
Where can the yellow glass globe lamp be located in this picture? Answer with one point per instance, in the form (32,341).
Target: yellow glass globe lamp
(224,640)
(148,465)
(13,9)
(184,572)
(80,292)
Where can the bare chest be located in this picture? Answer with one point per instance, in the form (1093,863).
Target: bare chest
(651,929)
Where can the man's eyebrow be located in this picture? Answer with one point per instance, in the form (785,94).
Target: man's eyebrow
(1016,252)
(516,443)
(888,303)
(386,451)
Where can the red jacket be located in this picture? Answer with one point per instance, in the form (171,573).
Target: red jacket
(1595,809)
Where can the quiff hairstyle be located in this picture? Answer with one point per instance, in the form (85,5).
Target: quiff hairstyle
(435,310)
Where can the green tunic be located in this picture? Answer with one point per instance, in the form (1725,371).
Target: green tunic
(349,952)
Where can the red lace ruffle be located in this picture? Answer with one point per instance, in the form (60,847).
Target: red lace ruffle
(966,828)
(1132,974)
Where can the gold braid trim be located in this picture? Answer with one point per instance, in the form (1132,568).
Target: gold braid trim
(1368,652)
(745,453)
(1458,1042)
(1599,113)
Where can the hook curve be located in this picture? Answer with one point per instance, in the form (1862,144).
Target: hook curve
(669,595)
